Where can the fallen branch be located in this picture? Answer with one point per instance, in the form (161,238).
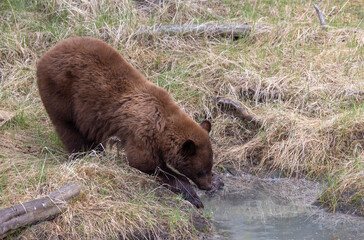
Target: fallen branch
(350,92)
(242,113)
(320,16)
(36,210)
(233,30)
(262,95)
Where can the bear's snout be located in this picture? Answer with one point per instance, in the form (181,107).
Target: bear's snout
(204,183)
(207,188)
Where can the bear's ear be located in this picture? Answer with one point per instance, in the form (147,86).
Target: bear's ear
(206,125)
(188,148)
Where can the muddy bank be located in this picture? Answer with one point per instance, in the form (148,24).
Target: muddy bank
(249,207)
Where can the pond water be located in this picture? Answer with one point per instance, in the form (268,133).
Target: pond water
(253,208)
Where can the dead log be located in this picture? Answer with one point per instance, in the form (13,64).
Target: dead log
(320,16)
(36,210)
(262,95)
(242,113)
(225,30)
(350,92)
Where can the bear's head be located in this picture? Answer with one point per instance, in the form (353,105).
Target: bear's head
(197,157)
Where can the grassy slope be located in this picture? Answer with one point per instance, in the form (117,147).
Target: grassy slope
(303,79)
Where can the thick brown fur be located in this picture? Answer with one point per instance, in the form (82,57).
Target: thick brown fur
(92,94)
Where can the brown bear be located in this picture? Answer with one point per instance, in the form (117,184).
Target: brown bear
(92,95)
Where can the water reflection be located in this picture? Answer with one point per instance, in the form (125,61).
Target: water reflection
(253,208)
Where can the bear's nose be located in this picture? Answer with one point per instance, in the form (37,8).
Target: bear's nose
(207,188)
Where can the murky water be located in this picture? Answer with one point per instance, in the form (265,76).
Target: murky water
(254,208)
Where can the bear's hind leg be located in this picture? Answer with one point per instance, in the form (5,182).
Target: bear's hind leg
(71,137)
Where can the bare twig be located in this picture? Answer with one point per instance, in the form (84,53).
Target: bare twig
(243,114)
(36,210)
(5,117)
(320,16)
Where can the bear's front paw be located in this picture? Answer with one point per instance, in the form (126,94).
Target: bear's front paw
(194,199)
(188,192)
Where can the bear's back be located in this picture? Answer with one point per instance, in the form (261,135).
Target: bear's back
(85,63)
(86,82)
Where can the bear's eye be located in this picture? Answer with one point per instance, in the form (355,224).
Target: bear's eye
(201,174)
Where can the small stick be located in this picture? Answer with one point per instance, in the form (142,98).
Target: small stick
(320,16)
(36,210)
(241,111)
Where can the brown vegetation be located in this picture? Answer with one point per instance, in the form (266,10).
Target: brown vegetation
(303,83)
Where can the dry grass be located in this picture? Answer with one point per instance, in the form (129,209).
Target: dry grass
(116,202)
(300,80)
